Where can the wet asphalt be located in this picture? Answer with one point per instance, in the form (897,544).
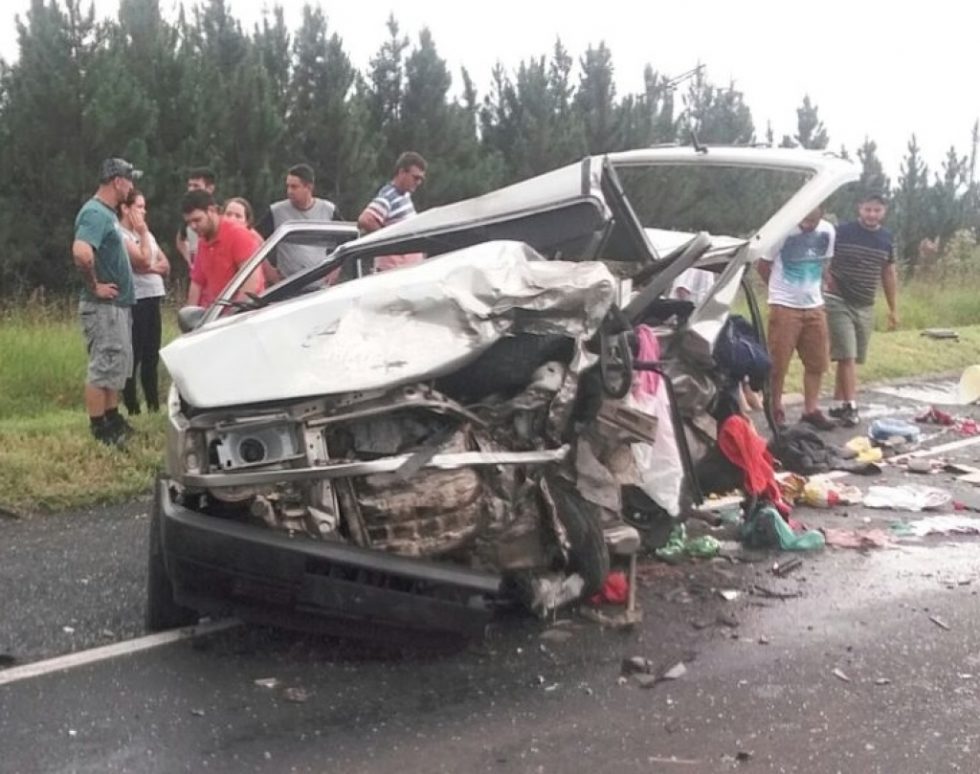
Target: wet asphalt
(857,662)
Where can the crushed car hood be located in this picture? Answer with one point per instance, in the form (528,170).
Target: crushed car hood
(388,329)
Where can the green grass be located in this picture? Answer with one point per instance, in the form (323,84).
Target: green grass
(51,463)
(48,461)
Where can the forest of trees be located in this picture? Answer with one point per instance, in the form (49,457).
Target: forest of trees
(204,91)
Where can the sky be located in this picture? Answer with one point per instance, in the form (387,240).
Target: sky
(875,69)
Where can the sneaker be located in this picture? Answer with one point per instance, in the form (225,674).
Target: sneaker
(837,412)
(849,417)
(818,420)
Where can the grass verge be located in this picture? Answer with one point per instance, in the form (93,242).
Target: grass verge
(51,463)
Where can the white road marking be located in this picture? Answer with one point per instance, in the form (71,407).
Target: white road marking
(116,649)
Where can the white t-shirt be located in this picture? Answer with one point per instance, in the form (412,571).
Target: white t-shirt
(797,267)
(146,285)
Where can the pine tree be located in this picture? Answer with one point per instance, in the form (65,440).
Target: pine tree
(595,101)
(912,206)
(810,131)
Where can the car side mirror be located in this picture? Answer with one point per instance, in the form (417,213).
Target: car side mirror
(188,318)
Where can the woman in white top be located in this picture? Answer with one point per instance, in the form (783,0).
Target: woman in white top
(150,266)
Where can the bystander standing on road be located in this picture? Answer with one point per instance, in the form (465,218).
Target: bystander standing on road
(797,318)
(863,252)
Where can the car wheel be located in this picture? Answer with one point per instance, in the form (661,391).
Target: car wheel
(162,612)
(587,554)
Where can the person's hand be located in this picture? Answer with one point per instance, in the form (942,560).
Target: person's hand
(138,220)
(106,290)
(892,320)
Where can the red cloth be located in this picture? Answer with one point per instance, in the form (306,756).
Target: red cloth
(746,449)
(615,590)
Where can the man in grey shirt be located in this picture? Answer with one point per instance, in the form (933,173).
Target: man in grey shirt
(299,204)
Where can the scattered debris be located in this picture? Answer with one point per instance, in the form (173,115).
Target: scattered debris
(679,547)
(621,619)
(68,629)
(615,590)
(296,695)
(839,674)
(636,665)
(940,622)
(770,594)
(919,465)
(552,687)
(883,681)
(198,712)
(676,672)
(729,595)
(267,682)
(940,333)
(939,525)
(909,497)
(549,592)
(72,732)
(824,493)
(763,640)
(860,539)
(742,756)
(888,428)
(785,568)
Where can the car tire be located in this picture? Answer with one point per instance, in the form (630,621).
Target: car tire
(507,367)
(587,553)
(162,611)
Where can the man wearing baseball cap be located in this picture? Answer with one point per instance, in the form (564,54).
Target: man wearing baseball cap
(107,299)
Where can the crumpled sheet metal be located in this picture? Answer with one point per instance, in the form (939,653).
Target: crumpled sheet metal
(402,326)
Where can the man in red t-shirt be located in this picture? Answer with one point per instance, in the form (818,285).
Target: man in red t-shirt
(223,247)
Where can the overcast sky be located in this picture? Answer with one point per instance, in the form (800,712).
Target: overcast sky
(884,70)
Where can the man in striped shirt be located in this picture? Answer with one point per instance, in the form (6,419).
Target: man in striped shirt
(393,203)
(863,252)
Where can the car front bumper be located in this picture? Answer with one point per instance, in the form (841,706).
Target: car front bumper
(220,566)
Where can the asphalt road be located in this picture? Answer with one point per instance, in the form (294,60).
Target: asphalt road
(874,667)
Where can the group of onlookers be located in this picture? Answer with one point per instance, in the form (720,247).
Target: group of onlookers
(123,268)
(822,281)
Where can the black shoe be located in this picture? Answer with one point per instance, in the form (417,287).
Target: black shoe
(105,434)
(817,420)
(120,426)
(837,412)
(849,417)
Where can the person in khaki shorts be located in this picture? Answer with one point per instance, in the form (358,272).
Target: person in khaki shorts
(107,300)
(797,320)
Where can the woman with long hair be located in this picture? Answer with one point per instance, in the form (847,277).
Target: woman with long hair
(149,287)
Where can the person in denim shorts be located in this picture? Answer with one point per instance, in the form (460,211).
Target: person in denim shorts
(107,300)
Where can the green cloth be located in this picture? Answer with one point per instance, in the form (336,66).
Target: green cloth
(766,528)
(97,224)
(678,546)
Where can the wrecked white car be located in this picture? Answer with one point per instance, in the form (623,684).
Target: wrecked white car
(414,448)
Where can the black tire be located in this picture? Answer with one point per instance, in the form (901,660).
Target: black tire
(587,554)
(162,612)
(506,367)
